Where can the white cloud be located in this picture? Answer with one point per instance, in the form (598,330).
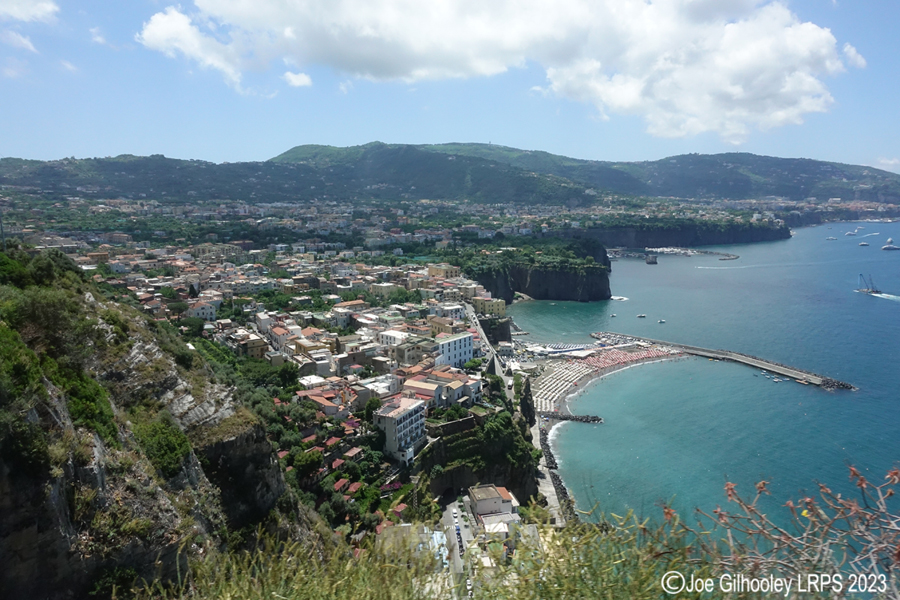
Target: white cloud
(97,36)
(889,164)
(345,86)
(13,68)
(68,66)
(173,32)
(853,57)
(16,40)
(685,66)
(28,10)
(297,79)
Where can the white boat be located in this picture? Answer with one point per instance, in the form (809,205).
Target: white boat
(661,321)
(831,238)
(863,244)
(612,315)
(890,241)
(642,316)
(890,247)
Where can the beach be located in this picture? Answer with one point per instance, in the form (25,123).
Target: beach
(562,381)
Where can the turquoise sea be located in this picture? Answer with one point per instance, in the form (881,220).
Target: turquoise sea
(677,431)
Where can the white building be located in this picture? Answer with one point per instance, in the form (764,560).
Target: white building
(451,311)
(403,422)
(201,310)
(392,338)
(490,500)
(454,350)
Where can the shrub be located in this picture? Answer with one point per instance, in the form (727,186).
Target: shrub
(89,407)
(164,444)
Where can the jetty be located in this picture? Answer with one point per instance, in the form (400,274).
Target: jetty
(798,375)
(555,416)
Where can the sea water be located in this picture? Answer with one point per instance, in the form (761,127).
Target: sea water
(675,432)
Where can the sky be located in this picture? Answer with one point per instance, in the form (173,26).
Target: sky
(239,80)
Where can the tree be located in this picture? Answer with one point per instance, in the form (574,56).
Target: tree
(307,463)
(526,404)
(371,406)
(193,325)
(177,308)
(168,293)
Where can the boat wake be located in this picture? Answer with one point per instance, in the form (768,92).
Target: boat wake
(887,297)
(870,234)
(618,298)
(783,265)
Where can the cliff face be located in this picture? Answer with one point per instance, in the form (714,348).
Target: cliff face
(687,236)
(582,285)
(96,508)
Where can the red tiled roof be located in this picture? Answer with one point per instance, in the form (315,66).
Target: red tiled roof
(283,453)
(352,452)
(341,484)
(354,487)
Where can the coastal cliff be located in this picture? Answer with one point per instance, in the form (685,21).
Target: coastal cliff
(582,283)
(119,459)
(686,235)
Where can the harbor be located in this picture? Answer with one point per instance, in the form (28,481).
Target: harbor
(797,375)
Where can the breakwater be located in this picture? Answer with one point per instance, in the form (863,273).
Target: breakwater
(798,375)
(576,418)
(566,503)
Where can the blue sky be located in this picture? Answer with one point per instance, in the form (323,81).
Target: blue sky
(233,80)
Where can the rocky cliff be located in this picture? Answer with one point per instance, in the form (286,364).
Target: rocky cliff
(178,467)
(680,236)
(582,284)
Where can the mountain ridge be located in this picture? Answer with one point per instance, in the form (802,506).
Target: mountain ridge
(732,175)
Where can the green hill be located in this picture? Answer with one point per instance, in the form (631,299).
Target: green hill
(478,172)
(735,175)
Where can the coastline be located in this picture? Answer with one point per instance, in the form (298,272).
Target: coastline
(560,502)
(590,379)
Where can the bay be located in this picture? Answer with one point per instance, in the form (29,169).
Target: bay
(677,431)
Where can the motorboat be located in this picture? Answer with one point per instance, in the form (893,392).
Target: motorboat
(661,321)
(642,316)
(863,243)
(830,238)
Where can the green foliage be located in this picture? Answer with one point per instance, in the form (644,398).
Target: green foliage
(625,563)
(89,406)
(114,583)
(437,471)
(164,443)
(194,326)
(177,308)
(371,406)
(307,463)
(13,272)
(168,293)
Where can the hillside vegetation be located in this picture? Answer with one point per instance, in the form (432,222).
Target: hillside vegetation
(477,172)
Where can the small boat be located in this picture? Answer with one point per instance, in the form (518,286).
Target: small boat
(863,244)
(890,247)
(612,315)
(890,240)
(775,379)
(661,321)
(642,316)
(830,238)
